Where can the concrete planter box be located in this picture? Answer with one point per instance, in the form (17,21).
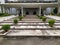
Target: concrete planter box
(3,33)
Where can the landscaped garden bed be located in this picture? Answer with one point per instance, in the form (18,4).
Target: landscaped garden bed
(4,14)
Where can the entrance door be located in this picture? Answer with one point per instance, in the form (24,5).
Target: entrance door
(31,11)
(27,13)
(34,13)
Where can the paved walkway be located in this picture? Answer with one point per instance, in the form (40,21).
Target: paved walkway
(31,41)
(31,18)
(53,17)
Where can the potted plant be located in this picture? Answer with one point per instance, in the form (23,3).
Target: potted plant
(58,14)
(51,23)
(51,13)
(40,17)
(44,18)
(15,21)
(20,17)
(6,27)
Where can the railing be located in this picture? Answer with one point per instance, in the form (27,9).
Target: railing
(31,1)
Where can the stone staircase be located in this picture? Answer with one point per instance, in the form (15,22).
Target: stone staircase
(32,23)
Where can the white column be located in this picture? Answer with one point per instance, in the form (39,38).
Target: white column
(22,11)
(17,11)
(8,10)
(2,9)
(11,10)
(39,10)
(58,8)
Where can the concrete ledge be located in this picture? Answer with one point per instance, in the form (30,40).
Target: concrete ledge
(17,33)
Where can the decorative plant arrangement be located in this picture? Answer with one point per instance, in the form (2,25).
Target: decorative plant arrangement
(44,18)
(58,14)
(15,21)
(51,23)
(6,27)
(20,17)
(51,13)
(40,17)
(4,14)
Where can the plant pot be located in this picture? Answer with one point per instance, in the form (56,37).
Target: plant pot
(6,30)
(20,19)
(50,25)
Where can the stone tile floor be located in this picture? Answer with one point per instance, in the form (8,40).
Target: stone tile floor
(31,41)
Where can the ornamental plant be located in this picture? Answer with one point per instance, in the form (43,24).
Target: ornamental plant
(44,18)
(51,23)
(20,17)
(6,27)
(40,17)
(15,21)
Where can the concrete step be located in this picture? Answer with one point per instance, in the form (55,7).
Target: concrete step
(21,22)
(20,33)
(29,24)
(34,28)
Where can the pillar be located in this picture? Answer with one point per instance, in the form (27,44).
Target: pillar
(39,10)
(58,8)
(10,10)
(1,9)
(6,10)
(17,12)
(22,11)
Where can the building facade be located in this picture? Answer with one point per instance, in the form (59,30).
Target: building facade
(28,7)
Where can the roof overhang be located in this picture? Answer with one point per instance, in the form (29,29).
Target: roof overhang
(29,5)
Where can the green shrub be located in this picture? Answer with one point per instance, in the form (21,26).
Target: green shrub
(59,14)
(6,27)
(20,17)
(51,13)
(4,14)
(15,21)
(40,17)
(51,23)
(44,18)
